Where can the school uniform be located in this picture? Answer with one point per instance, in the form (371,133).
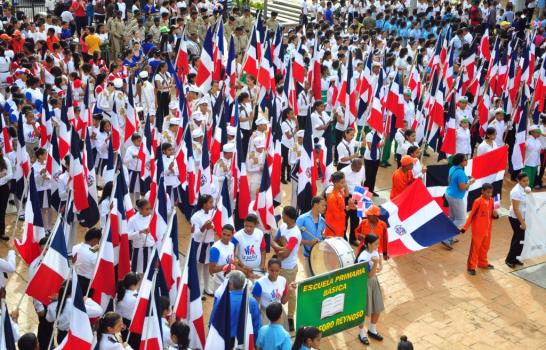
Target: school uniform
(163,84)
(371,160)
(270,292)
(517,193)
(172,180)
(133,164)
(110,342)
(63,321)
(345,149)
(374,303)
(142,243)
(249,248)
(221,254)
(204,239)
(86,259)
(463,141)
(43,184)
(289,129)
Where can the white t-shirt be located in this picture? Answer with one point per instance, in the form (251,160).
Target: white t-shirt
(463,141)
(369,140)
(353,179)
(293,239)
(249,247)
(221,254)
(197,221)
(533,146)
(366,256)
(269,291)
(484,147)
(518,193)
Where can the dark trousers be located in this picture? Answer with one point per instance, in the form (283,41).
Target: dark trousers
(61,335)
(515,245)
(398,158)
(339,137)
(163,100)
(80,23)
(351,222)
(245,140)
(45,330)
(84,284)
(370,168)
(285,168)
(301,122)
(4,195)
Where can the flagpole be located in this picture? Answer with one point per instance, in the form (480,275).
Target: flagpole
(60,309)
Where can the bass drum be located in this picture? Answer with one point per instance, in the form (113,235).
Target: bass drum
(331,254)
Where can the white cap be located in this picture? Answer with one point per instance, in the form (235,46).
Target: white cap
(499,110)
(174,121)
(118,83)
(231,130)
(173,104)
(198,116)
(300,133)
(202,101)
(261,121)
(534,128)
(229,147)
(407,91)
(259,142)
(376,64)
(194,88)
(143,74)
(196,133)
(463,99)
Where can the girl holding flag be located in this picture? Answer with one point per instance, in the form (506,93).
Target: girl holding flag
(139,233)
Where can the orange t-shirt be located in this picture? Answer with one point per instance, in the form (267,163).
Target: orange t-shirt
(335,215)
(50,41)
(400,181)
(380,230)
(480,217)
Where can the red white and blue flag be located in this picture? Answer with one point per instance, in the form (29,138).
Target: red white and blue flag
(219,336)
(415,221)
(263,204)
(169,260)
(77,174)
(53,270)
(203,79)
(103,282)
(80,333)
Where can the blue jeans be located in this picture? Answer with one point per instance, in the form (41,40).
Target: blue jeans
(457,213)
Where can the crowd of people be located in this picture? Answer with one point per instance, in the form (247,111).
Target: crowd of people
(188,101)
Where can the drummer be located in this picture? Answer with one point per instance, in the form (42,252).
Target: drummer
(312,227)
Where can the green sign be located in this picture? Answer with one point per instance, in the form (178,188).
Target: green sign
(334,301)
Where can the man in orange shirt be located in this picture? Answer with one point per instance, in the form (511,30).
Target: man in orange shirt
(372,224)
(335,207)
(403,176)
(480,218)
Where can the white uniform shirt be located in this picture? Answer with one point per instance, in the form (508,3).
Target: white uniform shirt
(353,179)
(109,342)
(288,127)
(136,224)
(463,141)
(532,151)
(484,147)
(171,175)
(367,153)
(197,221)
(63,323)
(249,247)
(126,306)
(42,183)
(500,126)
(7,265)
(6,174)
(518,193)
(131,158)
(346,149)
(318,120)
(86,259)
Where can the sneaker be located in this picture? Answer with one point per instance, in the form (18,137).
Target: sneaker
(290,324)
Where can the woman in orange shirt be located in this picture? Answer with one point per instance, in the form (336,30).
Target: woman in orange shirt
(403,176)
(372,224)
(335,207)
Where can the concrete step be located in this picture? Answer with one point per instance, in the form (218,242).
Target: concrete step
(288,10)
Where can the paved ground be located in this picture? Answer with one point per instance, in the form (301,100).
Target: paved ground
(428,296)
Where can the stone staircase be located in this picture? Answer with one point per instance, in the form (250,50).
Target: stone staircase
(288,10)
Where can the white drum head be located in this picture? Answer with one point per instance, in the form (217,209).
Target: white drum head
(330,254)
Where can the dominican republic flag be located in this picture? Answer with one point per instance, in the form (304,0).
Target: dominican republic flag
(33,231)
(231,71)
(46,126)
(242,187)
(64,131)
(131,118)
(314,75)
(540,88)
(486,168)
(188,174)
(182,65)
(307,187)
(375,119)
(484,105)
(298,65)
(23,162)
(5,138)
(205,186)
(220,324)
(290,89)
(80,333)
(449,144)
(203,79)
(103,282)
(146,151)
(348,94)
(53,270)
(158,224)
(518,153)
(169,260)
(363,198)
(485,52)
(245,334)
(266,75)
(274,159)
(188,306)
(53,167)
(415,221)
(263,204)
(469,66)
(219,130)
(414,84)
(395,101)
(7,334)
(122,211)
(224,212)
(147,286)
(250,63)
(278,51)
(90,216)
(218,52)
(77,174)
(152,338)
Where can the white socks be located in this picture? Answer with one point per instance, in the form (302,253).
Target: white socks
(372,328)
(362,333)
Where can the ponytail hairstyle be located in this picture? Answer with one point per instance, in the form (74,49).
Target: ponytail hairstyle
(181,331)
(130,279)
(141,203)
(61,302)
(303,335)
(107,320)
(368,239)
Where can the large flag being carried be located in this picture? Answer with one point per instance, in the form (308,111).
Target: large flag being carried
(415,221)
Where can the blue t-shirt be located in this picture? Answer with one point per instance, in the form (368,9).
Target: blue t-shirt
(273,337)
(312,229)
(235,300)
(457,176)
